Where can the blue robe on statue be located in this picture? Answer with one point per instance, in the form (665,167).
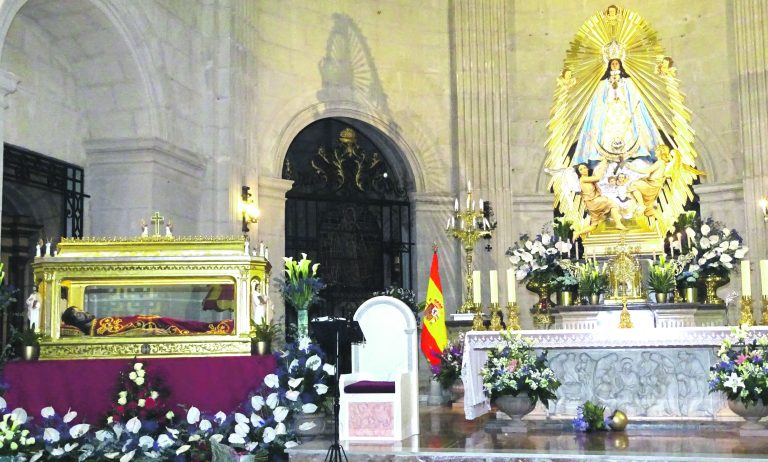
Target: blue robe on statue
(616,118)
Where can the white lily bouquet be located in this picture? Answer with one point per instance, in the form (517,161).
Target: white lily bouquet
(538,256)
(711,249)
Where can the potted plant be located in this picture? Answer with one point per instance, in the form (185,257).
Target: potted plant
(515,378)
(301,288)
(262,335)
(565,286)
(740,374)
(708,253)
(661,278)
(448,372)
(593,281)
(28,341)
(536,264)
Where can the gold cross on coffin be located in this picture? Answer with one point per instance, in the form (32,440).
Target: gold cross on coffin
(156,221)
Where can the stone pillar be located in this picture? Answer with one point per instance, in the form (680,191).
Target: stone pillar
(129,179)
(751,32)
(271,228)
(8,84)
(483,128)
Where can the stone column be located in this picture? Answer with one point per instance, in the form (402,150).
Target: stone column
(484,143)
(751,32)
(129,179)
(271,228)
(8,84)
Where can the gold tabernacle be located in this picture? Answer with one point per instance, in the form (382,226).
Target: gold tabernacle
(149,296)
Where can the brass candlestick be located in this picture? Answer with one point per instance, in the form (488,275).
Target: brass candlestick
(746,311)
(477,321)
(464,227)
(513,316)
(495,316)
(764,311)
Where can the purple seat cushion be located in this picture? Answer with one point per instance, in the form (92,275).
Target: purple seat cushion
(370,386)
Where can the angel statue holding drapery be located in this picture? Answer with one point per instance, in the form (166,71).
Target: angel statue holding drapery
(620,144)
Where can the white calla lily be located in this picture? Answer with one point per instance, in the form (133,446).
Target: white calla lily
(79,430)
(193,415)
(280,413)
(272,381)
(47,412)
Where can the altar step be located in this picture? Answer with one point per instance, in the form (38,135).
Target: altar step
(447,437)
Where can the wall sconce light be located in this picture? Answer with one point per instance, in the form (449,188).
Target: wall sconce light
(763,204)
(248,209)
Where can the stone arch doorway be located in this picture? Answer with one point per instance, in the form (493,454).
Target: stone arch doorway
(348,210)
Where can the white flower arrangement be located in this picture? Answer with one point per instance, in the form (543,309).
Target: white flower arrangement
(537,256)
(712,248)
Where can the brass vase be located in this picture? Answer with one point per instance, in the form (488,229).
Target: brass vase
(565,298)
(691,294)
(661,297)
(542,316)
(594,299)
(711,283)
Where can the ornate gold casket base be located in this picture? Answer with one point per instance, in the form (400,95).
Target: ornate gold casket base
(638,235)
(122,267)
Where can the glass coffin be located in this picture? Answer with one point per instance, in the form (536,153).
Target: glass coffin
(151,296)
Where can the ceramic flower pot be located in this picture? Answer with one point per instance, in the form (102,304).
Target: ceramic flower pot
(262,348)
(30,352)
(565,298)
(751,414)
(306,420)
(457,389)
(514,406)
(691,294)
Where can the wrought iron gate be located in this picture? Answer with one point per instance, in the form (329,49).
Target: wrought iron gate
(349,212)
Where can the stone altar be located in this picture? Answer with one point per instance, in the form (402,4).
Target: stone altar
(658,374)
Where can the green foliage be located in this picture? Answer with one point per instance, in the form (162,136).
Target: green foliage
(264,331)
(590,417)
(592,279)
(25,337)
(661,276)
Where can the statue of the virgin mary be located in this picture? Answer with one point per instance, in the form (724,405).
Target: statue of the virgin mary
(612,111)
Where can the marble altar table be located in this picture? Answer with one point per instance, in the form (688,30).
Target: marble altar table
(649,373)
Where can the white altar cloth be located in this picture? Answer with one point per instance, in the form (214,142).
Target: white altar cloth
(476,344)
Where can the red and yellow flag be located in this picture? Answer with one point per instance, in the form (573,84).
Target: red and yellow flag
(434,336)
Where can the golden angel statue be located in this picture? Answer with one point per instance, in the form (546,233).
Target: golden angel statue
(620,140)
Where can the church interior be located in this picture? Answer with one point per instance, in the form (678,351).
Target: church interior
(384,230)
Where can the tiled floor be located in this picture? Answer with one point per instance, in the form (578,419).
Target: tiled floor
(447,436)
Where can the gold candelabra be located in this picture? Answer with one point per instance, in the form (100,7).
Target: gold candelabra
(477,321)
(746,311)
(764,311)
(513,316)
(495,316)
(468,226)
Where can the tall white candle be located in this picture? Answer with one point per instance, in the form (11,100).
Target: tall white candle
(494,277)
(764,277)
(746,285)
(469,186)
(456,204)
(476,286)
(511,295)
(671,248)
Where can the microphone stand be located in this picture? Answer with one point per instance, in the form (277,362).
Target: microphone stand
(336,450)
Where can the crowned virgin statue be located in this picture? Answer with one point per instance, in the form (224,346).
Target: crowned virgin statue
(620,143)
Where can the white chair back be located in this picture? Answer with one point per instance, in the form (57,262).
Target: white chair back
(390,339)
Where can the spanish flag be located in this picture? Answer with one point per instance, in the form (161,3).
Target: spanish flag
(434,336)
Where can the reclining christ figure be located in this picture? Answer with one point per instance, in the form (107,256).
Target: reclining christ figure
(140,325)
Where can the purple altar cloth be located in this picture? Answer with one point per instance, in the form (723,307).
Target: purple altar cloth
(90,386)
